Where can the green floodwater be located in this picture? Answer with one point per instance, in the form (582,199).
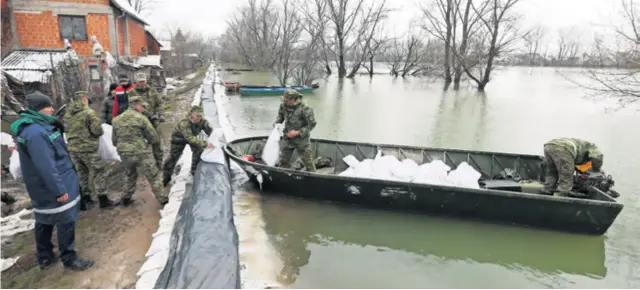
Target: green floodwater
(325,245)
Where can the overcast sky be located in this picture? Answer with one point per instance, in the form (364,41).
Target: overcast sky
(208,16)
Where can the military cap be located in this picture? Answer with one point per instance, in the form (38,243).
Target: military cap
(138,100)
(290,93)
(197,110)
(141,77)
(79,95)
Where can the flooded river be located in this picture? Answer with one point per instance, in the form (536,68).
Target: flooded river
(324,245)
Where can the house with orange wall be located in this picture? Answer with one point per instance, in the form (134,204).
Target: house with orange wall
(43,24)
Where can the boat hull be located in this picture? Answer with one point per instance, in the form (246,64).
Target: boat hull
(587,216)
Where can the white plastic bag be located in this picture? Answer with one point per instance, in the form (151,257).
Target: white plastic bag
(351,161)
(434,172)
(271,150)
(6,139)
(464,176)
(406,171)
(107,151)
(383,166)
(14,164)
(364,168)
(215,154)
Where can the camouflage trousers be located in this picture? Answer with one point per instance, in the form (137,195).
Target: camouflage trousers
(303,149)
(157,150)
(560,169)
(92,172)
(144,164)
(174,154)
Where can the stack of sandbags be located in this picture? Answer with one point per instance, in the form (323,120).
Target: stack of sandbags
(388,167)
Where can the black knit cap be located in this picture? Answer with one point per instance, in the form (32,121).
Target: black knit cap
(37,101)
(123,78)
(112,87)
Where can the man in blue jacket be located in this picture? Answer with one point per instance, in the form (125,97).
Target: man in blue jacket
(51,181)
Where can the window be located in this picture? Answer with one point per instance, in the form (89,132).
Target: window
(95,73)
(73,27)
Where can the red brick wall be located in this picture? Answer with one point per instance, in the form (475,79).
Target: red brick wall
(137,37)
(42,30)
(153,47)
(3,4)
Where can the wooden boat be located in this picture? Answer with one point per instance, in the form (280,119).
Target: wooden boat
(510,200)
(273,90)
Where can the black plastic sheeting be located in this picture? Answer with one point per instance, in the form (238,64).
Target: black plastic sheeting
(204,241)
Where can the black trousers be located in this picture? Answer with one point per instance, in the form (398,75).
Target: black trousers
(66,242)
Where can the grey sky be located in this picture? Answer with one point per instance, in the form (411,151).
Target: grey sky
(208,16)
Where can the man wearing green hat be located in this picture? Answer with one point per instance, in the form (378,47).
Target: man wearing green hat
(300,120)
(83,130)
(132,135)
(186,132)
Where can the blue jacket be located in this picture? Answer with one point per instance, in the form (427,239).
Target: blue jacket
(48,174)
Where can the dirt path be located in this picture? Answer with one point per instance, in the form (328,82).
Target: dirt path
(116,239)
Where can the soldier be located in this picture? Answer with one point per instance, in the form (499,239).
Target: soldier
(561,156)
(300,120)
(83,139)
(155,110)
(186,132)
(132,131)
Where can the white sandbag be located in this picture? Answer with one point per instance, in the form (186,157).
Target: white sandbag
(158,244)
(351,160)
(434,172)
(406,171)
(215,154)
(464,176)
(7,263)
(350,172)
(383,166)
(107,151)
(148,279)
(6,139)
(14,165)
(364,168)
(271,150)
(156,261)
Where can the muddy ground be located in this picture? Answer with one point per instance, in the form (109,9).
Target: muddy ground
(117,239)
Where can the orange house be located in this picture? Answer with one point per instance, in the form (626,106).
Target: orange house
(43,24)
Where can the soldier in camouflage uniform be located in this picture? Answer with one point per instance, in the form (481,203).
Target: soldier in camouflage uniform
(132,135)
(300,120)
(186,132)
(561,156)
(155,109)
(83,132)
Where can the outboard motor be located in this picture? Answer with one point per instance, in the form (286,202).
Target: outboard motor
(582,182)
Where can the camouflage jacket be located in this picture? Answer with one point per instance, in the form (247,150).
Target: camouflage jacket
(82,128)
(133,133)
(186,132)
(298,116)
(581,151)
(156,106)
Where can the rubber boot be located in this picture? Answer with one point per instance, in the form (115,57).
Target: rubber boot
(86,203)
(79,264)
(126,201)
(166,180)
(105,202)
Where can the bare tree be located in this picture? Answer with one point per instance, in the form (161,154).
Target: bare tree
(352,27)
(532,42)
(406,56)
(499,34)
(441,21)
(143,6)
(621,84)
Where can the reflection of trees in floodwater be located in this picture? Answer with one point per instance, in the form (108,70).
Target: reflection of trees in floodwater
(287,232)
(293,223)
(466,117)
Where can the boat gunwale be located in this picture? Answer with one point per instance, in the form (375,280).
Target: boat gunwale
(524,195)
